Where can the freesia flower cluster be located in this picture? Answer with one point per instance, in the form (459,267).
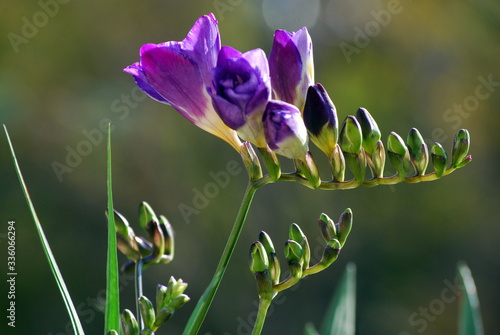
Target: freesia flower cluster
(231,94)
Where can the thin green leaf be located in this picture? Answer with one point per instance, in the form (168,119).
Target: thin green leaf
(75,321)
(112,314)
(340,318)
(469,318)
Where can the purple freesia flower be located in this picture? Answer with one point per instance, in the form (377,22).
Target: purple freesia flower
(241,90)
(179,74)
(284,129)
(291,66)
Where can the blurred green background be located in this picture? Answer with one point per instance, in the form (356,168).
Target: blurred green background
(61,79)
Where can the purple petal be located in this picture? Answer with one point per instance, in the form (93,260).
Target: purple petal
(257,58)
(177,78)
(141,81)
(230,113)
(227,53)
(285,66)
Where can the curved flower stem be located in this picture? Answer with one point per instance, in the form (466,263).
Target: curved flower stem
(261,316)
(199,313)
(138,291)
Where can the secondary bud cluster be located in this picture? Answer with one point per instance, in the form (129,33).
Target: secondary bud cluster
(265,266)
(168,300)
(158,249)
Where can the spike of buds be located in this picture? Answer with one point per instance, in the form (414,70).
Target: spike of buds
(419,153)
(438,158)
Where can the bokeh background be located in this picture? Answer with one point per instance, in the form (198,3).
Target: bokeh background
(61,79)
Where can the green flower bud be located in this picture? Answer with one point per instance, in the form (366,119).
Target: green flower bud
(351,138)
(378,160)
(298,236)
(330,253)
(112,332)
(369,129)
(146,214)
(156,235)
(461,145)
(344,226)
(163,316)
(419,153)
(168,235)
(337,163)
(327,227)
(398,154)
(293,251)
(178,302)
(258,260)
(161,297)
(251,161)
(274,265)
(129,323)
(308,168)
(128,247)
(147,312)
(271,162)
(438,158)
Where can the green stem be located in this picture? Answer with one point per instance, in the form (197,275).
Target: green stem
(138,291)
(199,313)
(261,316)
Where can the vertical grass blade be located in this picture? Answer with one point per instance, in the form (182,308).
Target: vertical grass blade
(340,318)
(75,321)
(469,318)
(112,313)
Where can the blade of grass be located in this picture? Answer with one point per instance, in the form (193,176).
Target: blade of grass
(75,321)
(340,318)
(469,318)
(112,313)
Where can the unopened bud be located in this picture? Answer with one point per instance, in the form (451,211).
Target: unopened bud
(258,260)
(251,161)
(337,163)
(327,227)
(344,226)
(369,129)
(308,168)
(438,158)
(274,265)
(129,323)
(419,153)
(398,154)
(146,214)
(271,162)
(461,145)
(330,253)
(147,312)
(296,234)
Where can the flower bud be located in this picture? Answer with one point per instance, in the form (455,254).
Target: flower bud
(274,265)
(419,153)
(330,253)
(378,160)
(294,255)
(350,139)
(337,163)
(308,168)
(147,312)
(284,129)
(438,158)
(370,130)
(271,163)
(461,145)
(168,235)
(251,161)
(344,226)
(320,118)
(156,235)
(146,214)
(129,323)
(398,154)
(327,227)
(296,234)
(125,238)
(258,258)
